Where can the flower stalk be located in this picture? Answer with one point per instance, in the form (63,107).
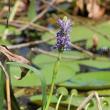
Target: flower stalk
(55,71)
(63,43)
(59,100)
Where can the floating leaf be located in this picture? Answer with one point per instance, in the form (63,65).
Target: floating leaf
(40,76)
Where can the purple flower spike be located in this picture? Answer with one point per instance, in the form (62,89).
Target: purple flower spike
(63,36)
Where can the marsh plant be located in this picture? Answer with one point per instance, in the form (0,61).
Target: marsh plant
(63,43)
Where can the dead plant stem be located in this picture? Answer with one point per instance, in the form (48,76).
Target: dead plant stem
(83,104)
(37,17)
(8,96)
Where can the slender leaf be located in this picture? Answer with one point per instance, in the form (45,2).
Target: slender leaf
(32,9)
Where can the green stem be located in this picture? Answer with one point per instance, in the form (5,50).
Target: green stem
(59,101)
(69,105)
(55,71)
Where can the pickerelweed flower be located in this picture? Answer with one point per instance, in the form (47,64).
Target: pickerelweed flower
(63,35)
(63,43)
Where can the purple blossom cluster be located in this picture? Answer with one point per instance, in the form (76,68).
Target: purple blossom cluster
(63,35)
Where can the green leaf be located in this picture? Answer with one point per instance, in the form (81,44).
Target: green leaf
(32,9)
(39,75)
(92,80)
(47,63)
(28,80)
(76,101)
